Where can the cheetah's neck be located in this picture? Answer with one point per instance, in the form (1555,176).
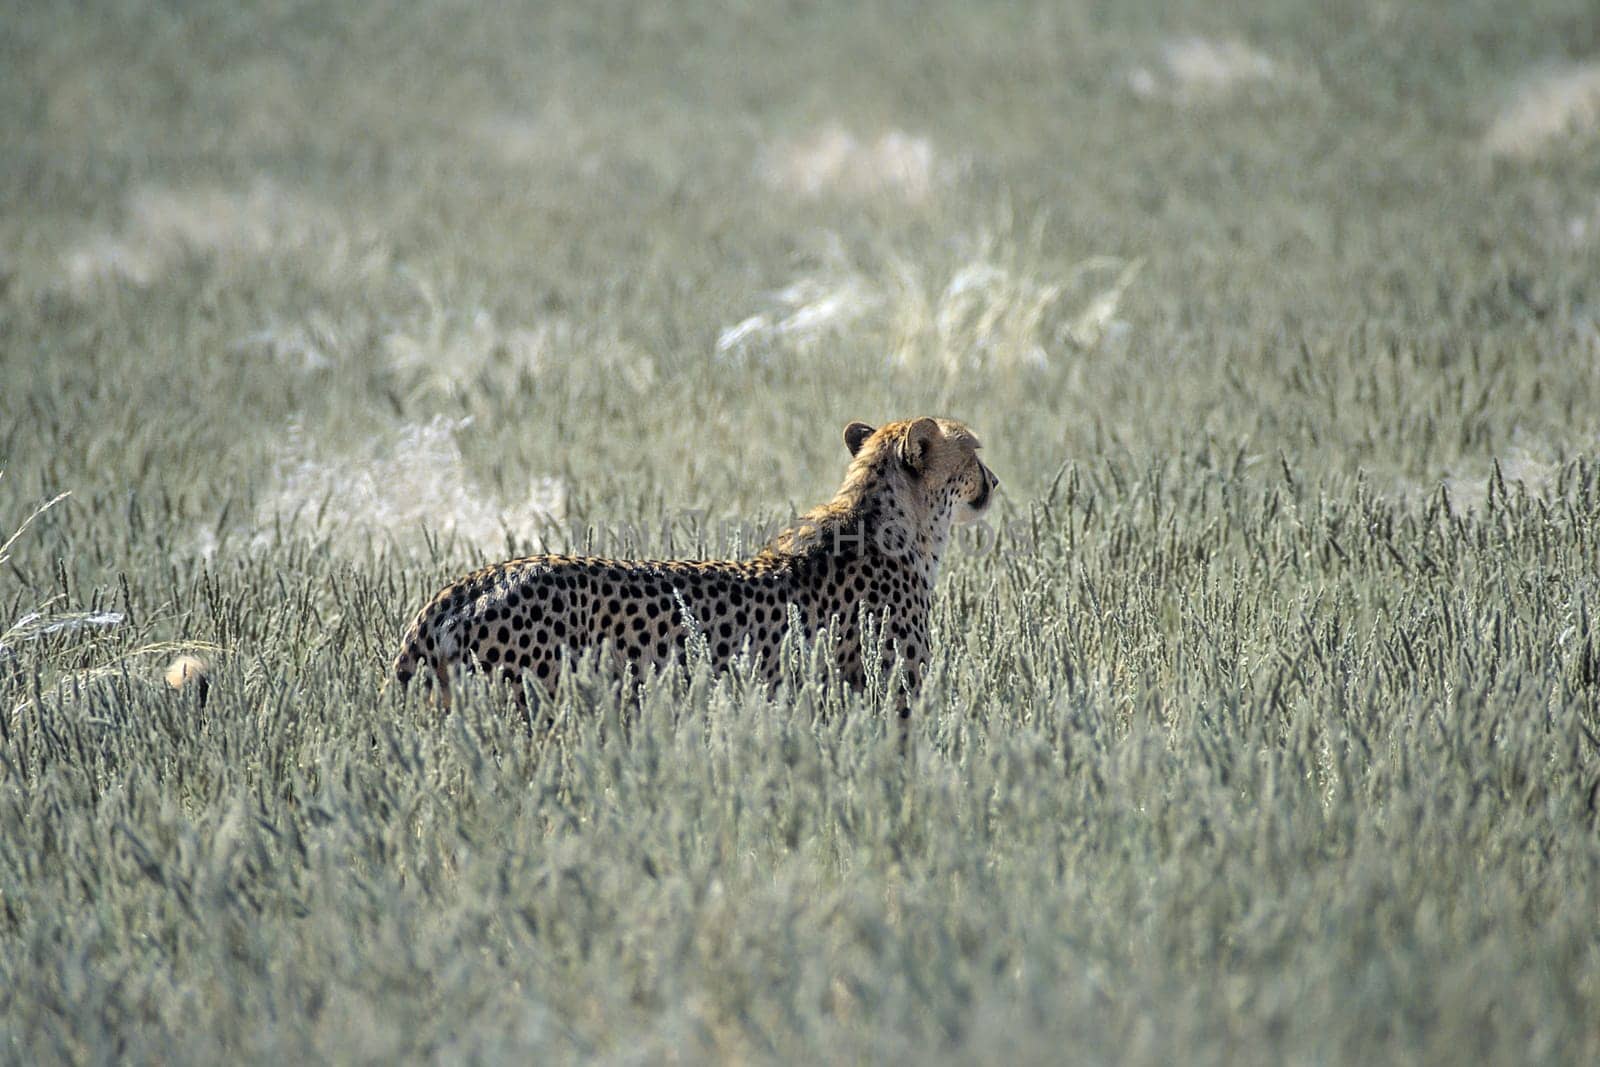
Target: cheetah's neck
(858,527)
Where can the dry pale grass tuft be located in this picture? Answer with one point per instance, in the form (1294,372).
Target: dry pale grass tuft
(1527,465)
(1547,110)
(415,479)
(270,103)
(5,546)
(163,226)
(1193,70)
(991,311)
(517,138)
(1581,227)
(314,343)
(48,622)
(833,161)
(104,257)
(44,620)
(446,346)
(443,345)
(553,137)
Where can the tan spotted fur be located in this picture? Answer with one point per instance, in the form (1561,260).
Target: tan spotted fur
(874,548)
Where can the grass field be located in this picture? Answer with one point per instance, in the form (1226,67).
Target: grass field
(1264,720)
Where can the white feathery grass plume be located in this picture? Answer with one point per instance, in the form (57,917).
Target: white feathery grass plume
(162,226)
(41,622)
(989,313)
(416,479)
(832,160)
(1556,106)
(1194,70)
(442,348)
(5,548)
(1098,319)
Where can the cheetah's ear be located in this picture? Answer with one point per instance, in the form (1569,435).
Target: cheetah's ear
(919,438)
(855,435)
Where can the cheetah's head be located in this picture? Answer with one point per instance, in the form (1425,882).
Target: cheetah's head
(934,460)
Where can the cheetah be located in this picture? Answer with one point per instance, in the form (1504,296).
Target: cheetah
(874,549)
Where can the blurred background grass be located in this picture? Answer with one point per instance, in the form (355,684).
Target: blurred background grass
(1266,729)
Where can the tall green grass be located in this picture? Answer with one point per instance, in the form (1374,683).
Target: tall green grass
(1262,724)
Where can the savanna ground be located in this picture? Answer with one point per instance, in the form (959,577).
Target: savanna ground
(1265,727)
